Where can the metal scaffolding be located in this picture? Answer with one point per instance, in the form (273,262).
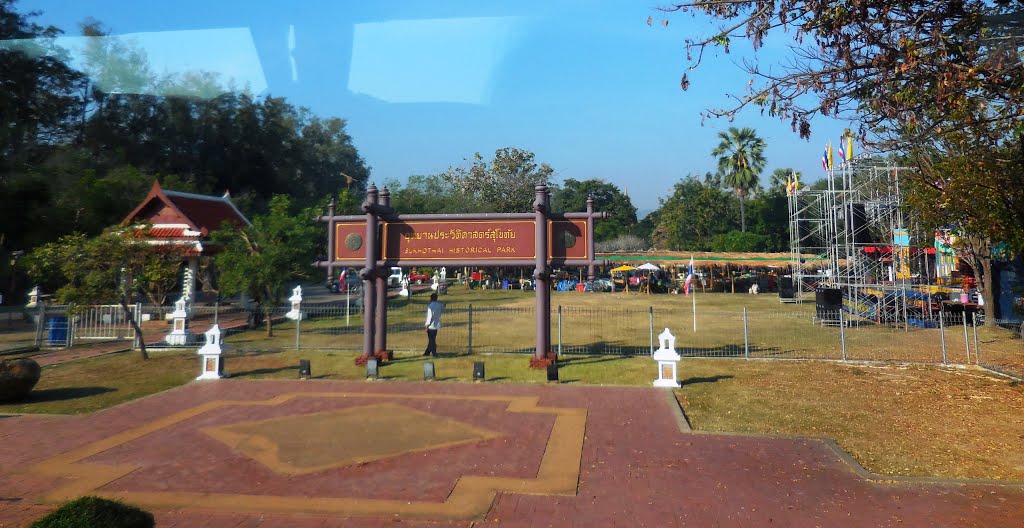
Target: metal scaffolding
(853,234)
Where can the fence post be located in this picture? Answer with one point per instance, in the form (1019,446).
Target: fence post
(559,330)
(650,317)
(977,352)
(348,300)
(298,331)
(40,323)
(746,336)
(70,341)
(842,333)
(471,329)
(942,334)
(967,343)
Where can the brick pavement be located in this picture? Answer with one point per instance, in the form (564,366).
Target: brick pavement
(634,467)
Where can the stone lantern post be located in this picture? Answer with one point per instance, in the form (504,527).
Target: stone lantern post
(667,360)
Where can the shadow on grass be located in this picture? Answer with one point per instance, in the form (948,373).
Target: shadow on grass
(67,393)
(708,379)
(262,371)
(588,360)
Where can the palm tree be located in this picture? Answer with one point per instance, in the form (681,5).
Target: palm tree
(777,181)
(740,161)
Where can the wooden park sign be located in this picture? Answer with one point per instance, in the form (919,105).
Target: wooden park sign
(381,239)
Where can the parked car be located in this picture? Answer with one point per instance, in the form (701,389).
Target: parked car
(417,277)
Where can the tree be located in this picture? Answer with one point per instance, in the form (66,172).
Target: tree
(506,184)
(432,194)
(259,259)
(110,268)
(777,181)
(930,79)
(740,156)
(693,215)
(572,197)
(885,63)
(38,104)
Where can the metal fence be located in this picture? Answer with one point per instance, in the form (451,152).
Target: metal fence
(790,332)
(786,333)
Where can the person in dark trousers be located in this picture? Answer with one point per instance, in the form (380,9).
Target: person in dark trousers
(433,324)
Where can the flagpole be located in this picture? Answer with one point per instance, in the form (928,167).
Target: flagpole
(694,298)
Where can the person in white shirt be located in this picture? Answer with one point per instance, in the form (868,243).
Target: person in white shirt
(433,324)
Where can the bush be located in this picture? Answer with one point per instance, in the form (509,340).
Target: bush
(96,512)
(629,243)
(739,242)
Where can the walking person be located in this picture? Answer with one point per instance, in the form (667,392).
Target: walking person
(433,324)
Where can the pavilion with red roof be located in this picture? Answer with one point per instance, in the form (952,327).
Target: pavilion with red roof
(184,220)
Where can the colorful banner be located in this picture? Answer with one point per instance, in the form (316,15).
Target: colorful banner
(945,257)
(901,253)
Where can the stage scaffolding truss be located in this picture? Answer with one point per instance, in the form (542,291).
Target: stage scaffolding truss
(854,235)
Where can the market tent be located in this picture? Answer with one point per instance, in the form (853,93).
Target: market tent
(622,268)
(649,267)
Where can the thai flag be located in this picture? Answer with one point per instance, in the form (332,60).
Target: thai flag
(688,285)
(824,159)
(842,151)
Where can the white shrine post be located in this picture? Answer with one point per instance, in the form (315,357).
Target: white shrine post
(210,362)
(667,361)
(295,314)
(180,334)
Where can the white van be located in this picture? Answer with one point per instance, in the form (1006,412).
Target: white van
(395,279)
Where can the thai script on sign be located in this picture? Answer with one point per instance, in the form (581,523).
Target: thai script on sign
(462,234)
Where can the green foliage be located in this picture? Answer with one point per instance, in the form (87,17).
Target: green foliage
(505,184)
(96,512)
(431,195)
(258,260)
(740,242)
(78,151)
(740,154)
(572,197)
(108,269)
(693,215)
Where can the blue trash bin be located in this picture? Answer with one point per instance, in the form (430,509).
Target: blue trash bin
(57,330)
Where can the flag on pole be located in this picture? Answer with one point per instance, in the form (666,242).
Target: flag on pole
(828,150)
(688,284)
(849,147)
(824,159)
(842,151)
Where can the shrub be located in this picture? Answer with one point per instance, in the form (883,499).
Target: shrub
(629,243)
(737,241)
(96,512)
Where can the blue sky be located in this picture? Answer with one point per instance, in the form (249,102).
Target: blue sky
(586,85)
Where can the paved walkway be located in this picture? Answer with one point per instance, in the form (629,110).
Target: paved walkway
(331,453)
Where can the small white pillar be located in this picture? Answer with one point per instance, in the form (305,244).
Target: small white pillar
(405,287)
(667,361)
(436,282)
(295,313)
(210,362)
(180,334)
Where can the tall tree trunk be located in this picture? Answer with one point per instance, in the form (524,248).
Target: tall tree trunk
(979,251)
(268,320)
(743,212)
(130,313)
(987,291)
